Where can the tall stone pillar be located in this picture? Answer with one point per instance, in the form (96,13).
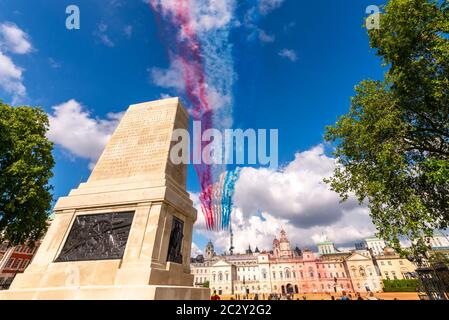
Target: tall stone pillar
(126,233)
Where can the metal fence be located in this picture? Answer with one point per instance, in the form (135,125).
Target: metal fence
(434,281)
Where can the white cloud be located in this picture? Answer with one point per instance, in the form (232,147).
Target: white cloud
(211,14)
(53,63)
(128,31)
(14,39)
(289,26)
(11,78)
(206,15)
(100,34)
(195,250)
(265,37)
(288,54)
(75,130)
(171,78)
(267,6)
(165,96)
(294,198)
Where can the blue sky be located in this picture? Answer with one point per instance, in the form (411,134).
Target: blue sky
(297,76)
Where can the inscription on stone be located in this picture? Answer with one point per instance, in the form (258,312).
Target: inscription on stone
(139,146)
(97,237)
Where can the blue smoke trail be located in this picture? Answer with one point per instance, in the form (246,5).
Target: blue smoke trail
(228,196)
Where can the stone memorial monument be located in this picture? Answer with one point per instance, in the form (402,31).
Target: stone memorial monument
(127,232)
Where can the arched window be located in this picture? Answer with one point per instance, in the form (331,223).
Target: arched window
(294,274)
(405,273)
(220,276)
(264,273)
(227,276)
(311,273)
(213,277)
(287,273)
(362,271)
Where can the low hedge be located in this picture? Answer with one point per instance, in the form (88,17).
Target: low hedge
(404,285)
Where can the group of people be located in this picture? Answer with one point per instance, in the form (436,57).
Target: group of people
(274,296)
(358,296)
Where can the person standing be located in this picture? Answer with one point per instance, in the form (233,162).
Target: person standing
(371,296)
(215,296)
(344,296)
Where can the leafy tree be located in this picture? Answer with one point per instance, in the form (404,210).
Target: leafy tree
(206,284)
(393,145)
(26,162)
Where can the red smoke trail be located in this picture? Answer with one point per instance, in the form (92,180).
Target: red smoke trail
(188,49)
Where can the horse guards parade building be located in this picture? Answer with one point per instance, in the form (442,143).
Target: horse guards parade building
(285,270)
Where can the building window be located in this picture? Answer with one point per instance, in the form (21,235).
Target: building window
(362,271)
(389,262)
(17,264)
(10,263)
(24,264)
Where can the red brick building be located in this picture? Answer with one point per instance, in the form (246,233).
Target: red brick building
(14,260)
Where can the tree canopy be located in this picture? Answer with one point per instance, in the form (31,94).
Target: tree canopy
(393,145)
(26,162)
